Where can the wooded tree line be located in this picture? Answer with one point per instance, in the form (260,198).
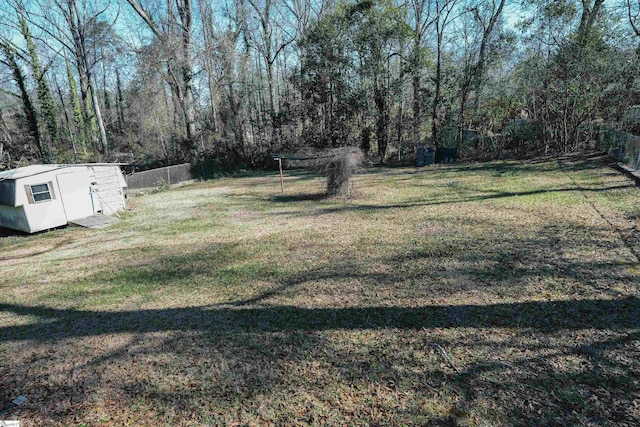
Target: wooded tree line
(169,81)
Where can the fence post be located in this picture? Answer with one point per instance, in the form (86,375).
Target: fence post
(281,178)
(620,147)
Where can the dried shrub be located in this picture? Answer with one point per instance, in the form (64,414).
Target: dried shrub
(340,164)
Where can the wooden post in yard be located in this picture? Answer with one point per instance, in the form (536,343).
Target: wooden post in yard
(281,178)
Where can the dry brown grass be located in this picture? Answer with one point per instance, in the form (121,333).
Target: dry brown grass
(223,303)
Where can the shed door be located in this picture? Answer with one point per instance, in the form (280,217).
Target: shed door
(75,193)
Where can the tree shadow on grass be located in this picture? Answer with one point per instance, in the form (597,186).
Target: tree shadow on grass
(530,362)
(300,197)
(546,164)
(510,168)
(242,351)
(236,355)
(489,195)
(504,168)
(547,316)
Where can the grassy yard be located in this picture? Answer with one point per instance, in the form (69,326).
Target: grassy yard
(504,293)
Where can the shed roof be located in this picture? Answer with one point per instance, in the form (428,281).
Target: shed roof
(26,171)
(13,174)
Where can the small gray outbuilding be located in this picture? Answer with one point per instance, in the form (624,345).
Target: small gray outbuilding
(40,197)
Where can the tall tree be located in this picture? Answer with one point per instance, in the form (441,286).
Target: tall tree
(76,108)
(444,13)
(420,16)
(80,18)
(31,116)
(179,57)
(270,40)
(45,99)
(380,29)
(209,38)
(485,16)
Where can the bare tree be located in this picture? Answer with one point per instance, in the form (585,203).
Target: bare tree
(486,15)
(79,19)
(270,40)
(209,38)
(10,61)
(421,21)
(443,15)
(67,25)
(633,13)
(179,58)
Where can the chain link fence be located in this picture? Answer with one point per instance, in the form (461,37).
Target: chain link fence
(622,146)
(155,178)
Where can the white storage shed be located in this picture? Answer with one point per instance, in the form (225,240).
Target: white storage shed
(40,197)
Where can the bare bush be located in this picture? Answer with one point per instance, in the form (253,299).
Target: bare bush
(340,164)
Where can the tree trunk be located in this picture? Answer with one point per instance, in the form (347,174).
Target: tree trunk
(464,93)
(587,19)
(119,102)
(400,129)
(183,59)
(421,23)
(29,111)
(273,114)
(45,99)
(436,96)
(184,11)
(72,137)
(77,24)
(416,109)
(379,99)
(98,112)
(76,106)
(208,34)
(478,71)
